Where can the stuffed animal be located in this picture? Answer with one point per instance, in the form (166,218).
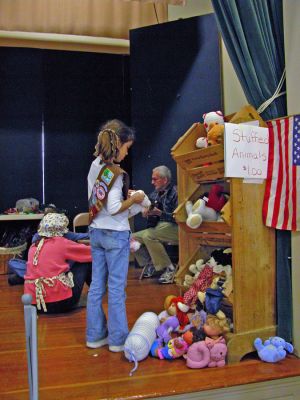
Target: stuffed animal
(217,355)
(215,134)
(273,349)
(215,329)
(142,335)
(146,203)
(216,197)
(212,298)
(169,308)
(199,212)
(199,355)
(174,306)
(214,125)
(212,117)
(165,329)
(201,142)
(194,220)
(195,269)
(203,281)
(175,348)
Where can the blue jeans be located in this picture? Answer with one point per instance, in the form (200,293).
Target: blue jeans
(110,252)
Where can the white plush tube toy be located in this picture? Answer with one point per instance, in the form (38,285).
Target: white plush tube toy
(194,220)
(141,337)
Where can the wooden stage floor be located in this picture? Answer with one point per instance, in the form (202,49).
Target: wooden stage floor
(68,370)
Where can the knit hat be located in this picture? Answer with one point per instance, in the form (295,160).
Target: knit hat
(53,224)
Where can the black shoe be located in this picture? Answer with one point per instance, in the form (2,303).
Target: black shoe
(149,271)
(14,279)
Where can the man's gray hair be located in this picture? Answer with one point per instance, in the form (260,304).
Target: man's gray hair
(164,172)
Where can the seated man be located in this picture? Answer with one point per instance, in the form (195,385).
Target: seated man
(161,227)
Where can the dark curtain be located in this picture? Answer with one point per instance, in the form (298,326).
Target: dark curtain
(20,125)
(175,78)
(82,91)
(253,35)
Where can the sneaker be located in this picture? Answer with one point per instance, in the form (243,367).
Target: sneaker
(149,271)
(97,344)
(116,349)
(167,276)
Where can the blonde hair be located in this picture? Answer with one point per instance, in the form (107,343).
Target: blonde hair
(112,135)
(107,145)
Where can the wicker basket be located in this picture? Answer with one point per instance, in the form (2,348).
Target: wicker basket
(6,253)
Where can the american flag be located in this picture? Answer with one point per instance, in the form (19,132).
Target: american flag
(281,206)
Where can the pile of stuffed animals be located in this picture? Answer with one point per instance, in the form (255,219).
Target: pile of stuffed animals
(208,208)
(192,333)
(192,326)
(195,326)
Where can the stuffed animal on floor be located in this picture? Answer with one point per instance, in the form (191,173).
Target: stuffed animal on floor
(175,348)
(164,330)
(174,306)
(139,341)
(273,349)
(215,329)
(200,355)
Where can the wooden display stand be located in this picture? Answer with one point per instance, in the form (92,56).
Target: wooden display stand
(253,244)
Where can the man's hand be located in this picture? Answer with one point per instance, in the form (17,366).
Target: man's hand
(154,211)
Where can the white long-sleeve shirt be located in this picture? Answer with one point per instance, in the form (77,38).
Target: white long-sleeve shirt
(105,218)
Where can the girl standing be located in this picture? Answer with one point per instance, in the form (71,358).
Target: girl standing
(109,209)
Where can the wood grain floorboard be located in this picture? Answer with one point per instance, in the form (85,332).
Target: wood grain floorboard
(69,370)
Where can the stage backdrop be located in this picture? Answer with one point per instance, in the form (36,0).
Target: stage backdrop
(175,78)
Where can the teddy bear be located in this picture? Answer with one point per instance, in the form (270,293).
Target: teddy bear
(211,121)
(214,126)
(273,349)
(212,117)
(215,134)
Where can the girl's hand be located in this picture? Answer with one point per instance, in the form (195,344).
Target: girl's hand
(137,197)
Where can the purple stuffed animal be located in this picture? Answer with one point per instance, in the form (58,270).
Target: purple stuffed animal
(164,329)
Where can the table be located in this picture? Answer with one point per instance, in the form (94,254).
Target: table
(20,217)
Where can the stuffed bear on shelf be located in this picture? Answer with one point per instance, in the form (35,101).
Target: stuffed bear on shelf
(214,125)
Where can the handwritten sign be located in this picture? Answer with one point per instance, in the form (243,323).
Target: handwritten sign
(246,149)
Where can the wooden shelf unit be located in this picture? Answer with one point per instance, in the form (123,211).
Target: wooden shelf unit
(252,243)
